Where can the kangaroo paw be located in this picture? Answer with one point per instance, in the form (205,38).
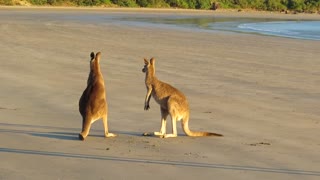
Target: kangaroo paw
(110,135)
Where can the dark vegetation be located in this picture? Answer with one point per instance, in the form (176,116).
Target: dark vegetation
(309,6)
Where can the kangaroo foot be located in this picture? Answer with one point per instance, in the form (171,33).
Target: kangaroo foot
(110,135)
(81,137)
(159,134)
(168,135)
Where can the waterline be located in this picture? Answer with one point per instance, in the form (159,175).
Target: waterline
(309,30)
(292,29)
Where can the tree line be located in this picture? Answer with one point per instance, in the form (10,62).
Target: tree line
(309,6)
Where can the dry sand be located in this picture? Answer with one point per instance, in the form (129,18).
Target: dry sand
(260,92)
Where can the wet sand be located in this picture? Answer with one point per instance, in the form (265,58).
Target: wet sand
(260,92)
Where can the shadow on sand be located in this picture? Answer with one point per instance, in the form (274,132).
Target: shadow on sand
(53,135)
(71,134)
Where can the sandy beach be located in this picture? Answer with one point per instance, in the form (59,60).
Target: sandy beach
(260,92)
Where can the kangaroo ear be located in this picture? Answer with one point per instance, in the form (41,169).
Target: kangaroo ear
(152,61)
(92,55)
(146,61)
(98,55)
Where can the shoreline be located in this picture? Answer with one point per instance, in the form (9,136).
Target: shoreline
(220,12)
(209,15)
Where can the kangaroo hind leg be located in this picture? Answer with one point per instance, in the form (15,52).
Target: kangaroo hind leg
(86,125)
(164,115)
(174,127)
(106,129)
(173,109)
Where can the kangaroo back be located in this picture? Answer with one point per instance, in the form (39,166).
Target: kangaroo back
(93,104)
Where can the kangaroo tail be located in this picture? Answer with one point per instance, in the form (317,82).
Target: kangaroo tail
(185,127)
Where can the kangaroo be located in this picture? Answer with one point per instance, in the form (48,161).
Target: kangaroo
(93,104)
(171,101)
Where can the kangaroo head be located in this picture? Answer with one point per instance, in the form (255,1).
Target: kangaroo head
(95,60)
(149,66)
(92,56)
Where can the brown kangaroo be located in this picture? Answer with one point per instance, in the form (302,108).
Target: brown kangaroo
(171,101)
(93,104)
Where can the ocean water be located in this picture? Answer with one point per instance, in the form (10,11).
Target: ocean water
(292,29)
(299,29)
